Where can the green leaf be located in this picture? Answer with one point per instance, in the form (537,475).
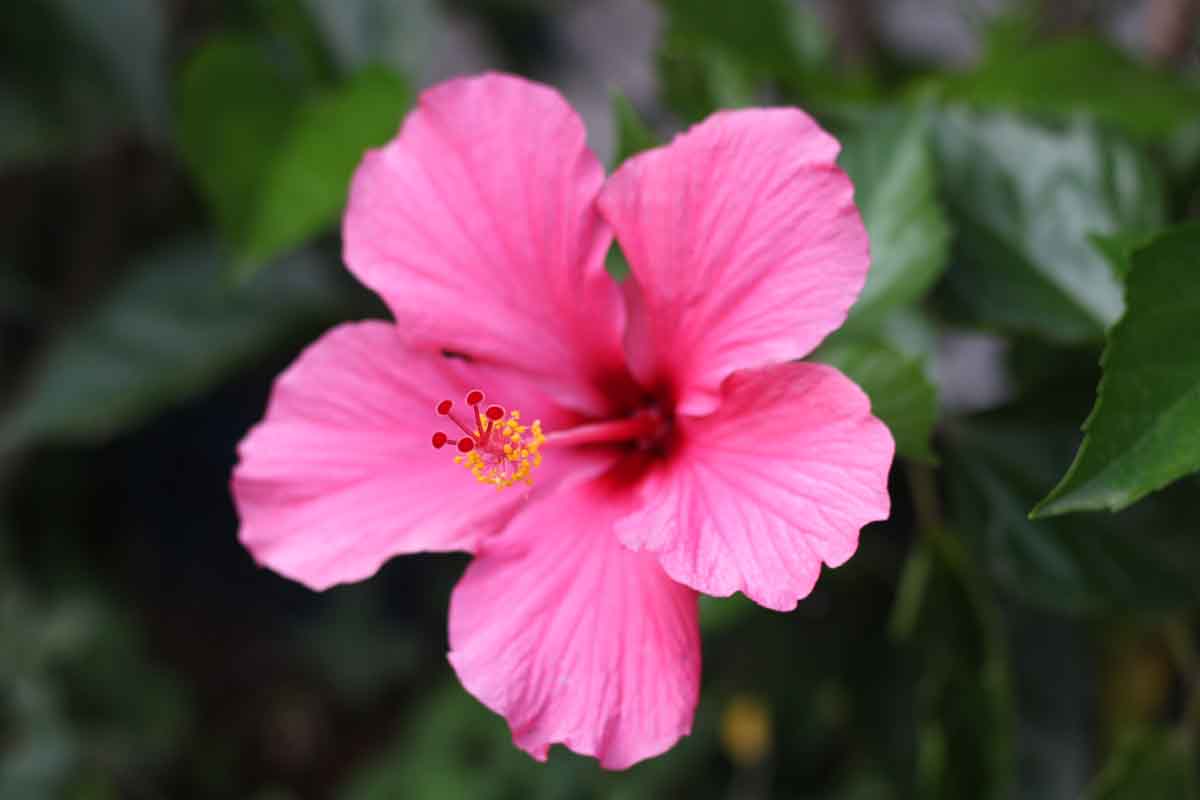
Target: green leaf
(632,134)
(1144,431)
(901,394)
(168,332)
(1119,247)
(1066,77)
(891,164)
(235,110)
(305,187)
(756,37)
(1025,200)
(997,465)
(1155,763)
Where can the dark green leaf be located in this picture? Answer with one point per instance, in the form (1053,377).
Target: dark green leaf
(1065,77)
(964,709)
(170,331)
(1026,199)
(756,37)
(901,394)
(632,135)
(890,162)
(234,111)
(996,467)
(1150,764)
(304,189)
(129,40)
(30,132)
(1144,431)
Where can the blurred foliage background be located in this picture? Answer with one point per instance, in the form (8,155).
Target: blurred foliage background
(172,174)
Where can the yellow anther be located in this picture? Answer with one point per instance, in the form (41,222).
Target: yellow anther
(507,455)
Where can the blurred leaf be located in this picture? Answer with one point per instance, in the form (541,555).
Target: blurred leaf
(76,73)
(756,37)
(901,394)
(454,747)
(129,38)
(1118,248)
(996,466)
(404,36)
(632,134)
(615,263)
(1054,682)
(1068,76)
(895,186)
(1025,199)
(1144,431)
(305,187)
(30,133)
(964,705)
(235,111)
(1151,764)
(718,614)
(169,331)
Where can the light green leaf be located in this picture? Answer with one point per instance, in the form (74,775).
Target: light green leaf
(1155,763)
(1144,559)
(632,134)
(169,331)
(1144,431)
(901,394)
(1026,199)
(235,111)
(1078,75)
(305,186)
(890,162)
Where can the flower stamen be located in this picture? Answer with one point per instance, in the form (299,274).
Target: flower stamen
(498,450)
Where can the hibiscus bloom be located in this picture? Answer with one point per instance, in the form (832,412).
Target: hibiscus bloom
(678,446)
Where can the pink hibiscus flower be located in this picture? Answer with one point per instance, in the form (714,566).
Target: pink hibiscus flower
(678,447)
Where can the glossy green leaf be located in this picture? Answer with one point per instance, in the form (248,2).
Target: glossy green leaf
(169,331)
(1144,559)
(1144,431)
(895,186)
(1069,76)
(305,187)
(632,134)
(1025,200)
(1155,763)
(901,393)
(235,112)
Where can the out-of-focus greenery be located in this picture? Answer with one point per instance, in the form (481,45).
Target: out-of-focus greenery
(172,176)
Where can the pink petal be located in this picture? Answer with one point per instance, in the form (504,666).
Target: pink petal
(745,245)
(778,480)
(575,639)
(477,225)
(340,475)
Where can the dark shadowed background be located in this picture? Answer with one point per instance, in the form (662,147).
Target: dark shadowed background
(172,173)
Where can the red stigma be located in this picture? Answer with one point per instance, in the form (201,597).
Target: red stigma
(466,444)
(494,413)
(474,397)
(440,439)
